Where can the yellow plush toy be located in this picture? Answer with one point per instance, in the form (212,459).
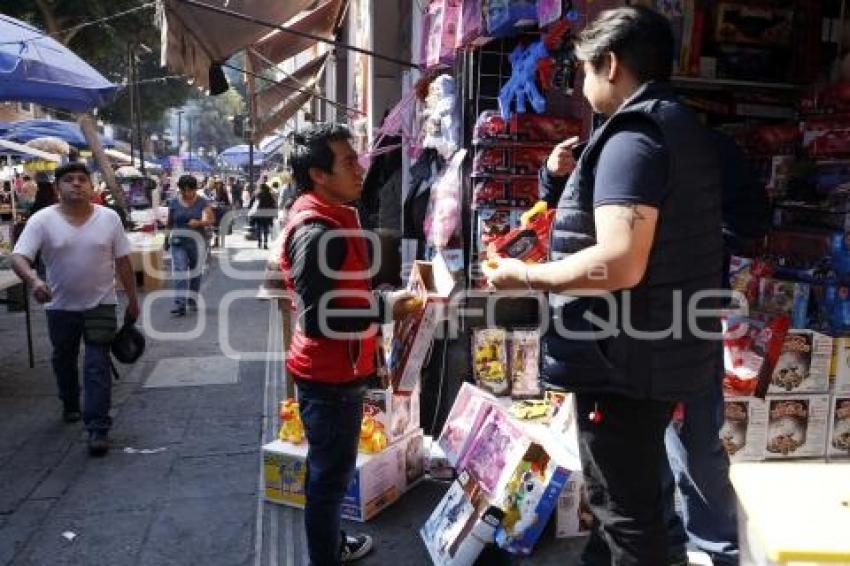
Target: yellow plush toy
(372,436)
(291,427)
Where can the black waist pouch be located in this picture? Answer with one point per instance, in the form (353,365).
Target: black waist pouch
(100,324)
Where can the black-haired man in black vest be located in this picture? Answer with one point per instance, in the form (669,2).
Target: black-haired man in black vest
(636,260)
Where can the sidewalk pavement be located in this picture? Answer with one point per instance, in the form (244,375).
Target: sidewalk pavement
(181,484)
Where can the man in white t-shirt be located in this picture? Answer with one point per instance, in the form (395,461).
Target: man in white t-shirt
(83,246)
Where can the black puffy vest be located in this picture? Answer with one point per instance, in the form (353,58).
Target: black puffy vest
(686,258)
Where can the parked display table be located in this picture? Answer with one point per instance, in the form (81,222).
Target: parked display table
(793,512)
(146,258)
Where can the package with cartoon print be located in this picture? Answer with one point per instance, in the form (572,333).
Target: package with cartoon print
(838,443)
(785,297)
(471,407)
(803,365)
(744,429)
(496,450)
(494,223)
(797,426)
(490,360)
(751,347)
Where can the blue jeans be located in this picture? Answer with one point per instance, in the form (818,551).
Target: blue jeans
(699,467)
(331,415)
(184,257)
(66,333)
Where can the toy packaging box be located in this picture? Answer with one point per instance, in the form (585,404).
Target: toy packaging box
(744,430)
(471,407)
(797,426)
(751,347)
(573,518)
(841,365)
(803,365)
(414,334)
(838,443)
(452,522)
(785,297)
(524,352)
(388,413)
(530,497)
(379,479)
(495,451)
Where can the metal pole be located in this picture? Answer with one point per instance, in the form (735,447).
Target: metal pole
(132,90)
(190,118)
(138,99)
(251,164)
(179,131)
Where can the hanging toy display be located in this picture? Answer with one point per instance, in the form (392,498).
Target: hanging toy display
(526,63)
(441,126)
(504,17)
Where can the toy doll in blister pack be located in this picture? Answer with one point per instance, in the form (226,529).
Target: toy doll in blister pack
(492,449)
(442,221)
(525,353)
(490,360)
(441,126)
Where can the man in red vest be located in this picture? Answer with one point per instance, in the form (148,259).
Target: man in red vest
(325,264)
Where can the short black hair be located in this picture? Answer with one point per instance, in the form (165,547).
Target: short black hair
(641,38)
(72,167)
(313,149)
(187,181)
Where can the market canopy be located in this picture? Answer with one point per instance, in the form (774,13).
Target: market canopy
(195,38)
(238,155)
(20,150)
(34,67)
(271,123)
(69,132)
(188,163)
(304,78)
(280,46)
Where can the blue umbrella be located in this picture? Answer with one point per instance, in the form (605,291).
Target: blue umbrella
(70,132)
(34,67)
(189,164)
(237,156)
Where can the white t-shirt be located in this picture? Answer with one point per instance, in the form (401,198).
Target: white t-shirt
(80,260)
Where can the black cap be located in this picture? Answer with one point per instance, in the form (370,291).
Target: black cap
(129,344)
(72,167)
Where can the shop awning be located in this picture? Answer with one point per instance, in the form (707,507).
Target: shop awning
(193,38)
(302,79)
(7,146)
(122,157)
(269,124)
(279,46)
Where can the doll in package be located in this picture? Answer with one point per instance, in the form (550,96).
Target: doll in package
(442,220)
(525,353)
(489,359)
(498,446)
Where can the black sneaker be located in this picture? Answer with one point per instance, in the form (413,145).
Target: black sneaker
(98,443)
(355,547)
(178,311)
(71,415)
(192,305)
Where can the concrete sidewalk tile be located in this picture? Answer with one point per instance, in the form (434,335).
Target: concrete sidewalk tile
(138,433)
(187,372)
(102,538)
(63,475)
(216,435)
(243,401)
(211,531)
(18,527)
(158,404)
(214,476)
(17,484)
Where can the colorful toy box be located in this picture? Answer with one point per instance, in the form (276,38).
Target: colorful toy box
(797,426)
(838,443)
(744,430)
(803,365)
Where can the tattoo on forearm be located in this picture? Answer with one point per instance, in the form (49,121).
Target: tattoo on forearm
(630,214)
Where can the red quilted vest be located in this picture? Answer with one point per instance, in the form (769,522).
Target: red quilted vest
(330,360)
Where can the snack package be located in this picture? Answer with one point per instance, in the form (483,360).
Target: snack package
(751,348)
(512,192)
(490,361)
(803,365)
(838,444)
(496,450)
(785,297)
(745,275)
(469,410)
(744,430)
(797,426)
(529,242)
(524,363)
(494,223)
